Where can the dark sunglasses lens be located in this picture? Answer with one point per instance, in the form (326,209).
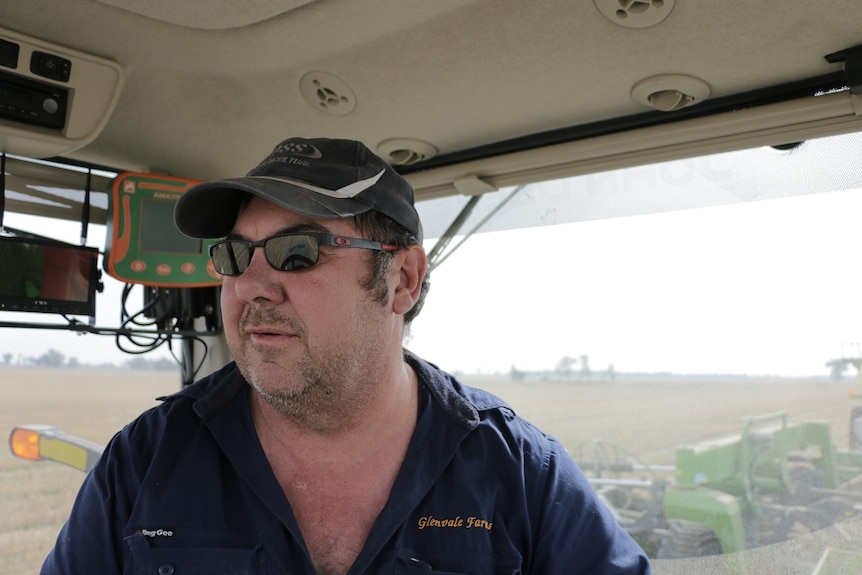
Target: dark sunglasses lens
(291,253)
(230,258)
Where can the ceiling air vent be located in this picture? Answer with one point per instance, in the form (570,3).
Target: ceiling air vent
(405,151)
(635,13)
(327,93)
(669,92)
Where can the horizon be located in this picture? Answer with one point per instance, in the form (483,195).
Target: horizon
(668,292)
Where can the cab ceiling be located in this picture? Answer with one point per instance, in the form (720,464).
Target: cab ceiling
(211,86)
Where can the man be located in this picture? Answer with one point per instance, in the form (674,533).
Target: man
(326,448)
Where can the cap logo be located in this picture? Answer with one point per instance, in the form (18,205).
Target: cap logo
(348,191)
(298,149)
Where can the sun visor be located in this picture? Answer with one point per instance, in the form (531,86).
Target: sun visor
(52,99)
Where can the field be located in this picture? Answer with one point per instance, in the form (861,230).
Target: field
(647,416)
(35,498)
(650,416)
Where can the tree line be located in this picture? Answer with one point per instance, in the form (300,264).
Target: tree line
(57,359)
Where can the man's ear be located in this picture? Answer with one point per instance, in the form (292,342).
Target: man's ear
(412,269)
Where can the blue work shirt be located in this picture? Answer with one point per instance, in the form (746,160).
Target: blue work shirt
(186,488)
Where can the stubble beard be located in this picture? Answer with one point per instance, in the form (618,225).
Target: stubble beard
(320,392)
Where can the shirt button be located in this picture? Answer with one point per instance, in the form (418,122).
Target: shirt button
(166,569)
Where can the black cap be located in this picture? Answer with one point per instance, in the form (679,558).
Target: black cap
(321,178)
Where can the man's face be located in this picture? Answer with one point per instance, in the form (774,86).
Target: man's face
(308,341)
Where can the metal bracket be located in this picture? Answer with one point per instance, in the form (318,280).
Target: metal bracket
(852,59)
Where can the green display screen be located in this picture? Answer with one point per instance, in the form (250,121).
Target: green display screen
(144,245)
(157,237)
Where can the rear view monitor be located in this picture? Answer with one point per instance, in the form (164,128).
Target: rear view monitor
(42,275)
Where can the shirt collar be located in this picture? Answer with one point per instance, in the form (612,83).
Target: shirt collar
(461,403)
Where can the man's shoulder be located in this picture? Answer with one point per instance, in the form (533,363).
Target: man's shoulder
(493,426)
(205,396)
(463,401)
(214,388)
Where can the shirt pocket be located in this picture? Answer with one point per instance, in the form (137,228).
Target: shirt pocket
(143,559)
(462,565)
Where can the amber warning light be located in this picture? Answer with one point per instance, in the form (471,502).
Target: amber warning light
(44,442)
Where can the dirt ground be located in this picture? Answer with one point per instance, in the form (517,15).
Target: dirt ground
(647,417)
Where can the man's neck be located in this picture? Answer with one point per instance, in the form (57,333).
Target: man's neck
(388,415)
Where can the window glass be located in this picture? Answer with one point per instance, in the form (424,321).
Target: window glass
(691,331)
(692,335)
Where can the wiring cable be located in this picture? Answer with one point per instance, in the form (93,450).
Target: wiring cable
(143,341)
(191,371)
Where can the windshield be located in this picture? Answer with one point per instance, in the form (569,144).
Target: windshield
(689,330)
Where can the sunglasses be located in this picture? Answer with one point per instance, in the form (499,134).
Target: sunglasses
(284,252)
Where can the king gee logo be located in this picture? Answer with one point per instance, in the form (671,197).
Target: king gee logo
(156,532)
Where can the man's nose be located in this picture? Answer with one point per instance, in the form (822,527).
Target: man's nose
(259,280)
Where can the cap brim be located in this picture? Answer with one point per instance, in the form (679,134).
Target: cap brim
(209,210)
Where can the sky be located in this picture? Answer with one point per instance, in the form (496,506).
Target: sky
(766,287)
(769,287)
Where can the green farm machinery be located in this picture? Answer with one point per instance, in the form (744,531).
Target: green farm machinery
(774,481)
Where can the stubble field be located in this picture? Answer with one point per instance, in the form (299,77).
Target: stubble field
(646,416)
(35,498)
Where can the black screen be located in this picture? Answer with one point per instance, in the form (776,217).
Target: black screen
(47,276)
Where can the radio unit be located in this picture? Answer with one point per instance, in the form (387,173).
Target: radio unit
(30,102)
